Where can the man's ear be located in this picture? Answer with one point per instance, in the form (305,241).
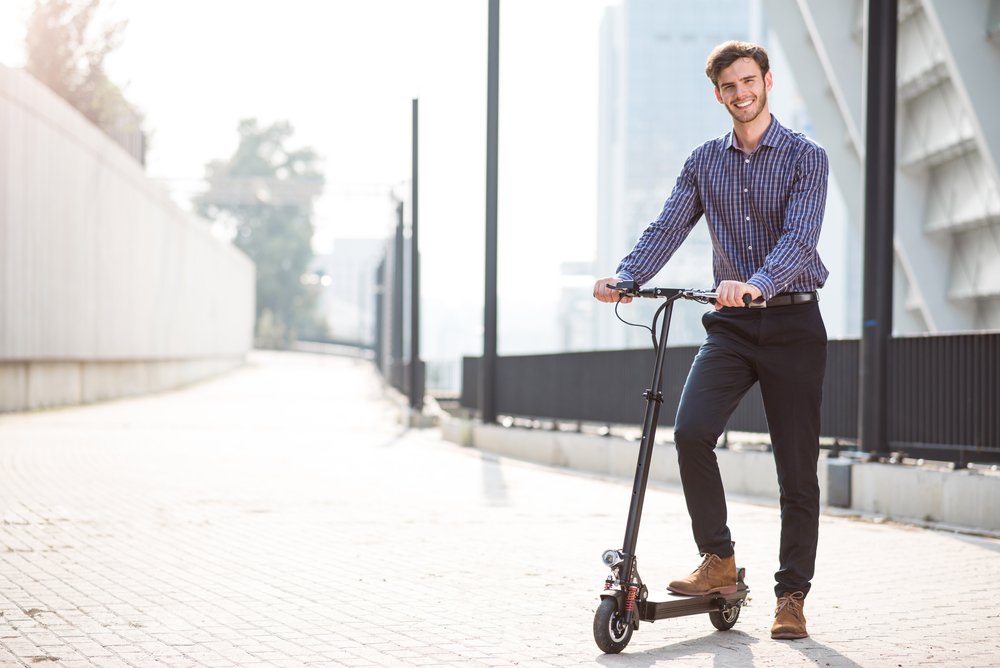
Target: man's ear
(768,81)
(718,95)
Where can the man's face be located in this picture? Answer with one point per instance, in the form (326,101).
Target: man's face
(743,90)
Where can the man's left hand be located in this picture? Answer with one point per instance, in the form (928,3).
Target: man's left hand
(731,293)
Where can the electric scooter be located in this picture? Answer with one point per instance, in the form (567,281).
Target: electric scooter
(626,600)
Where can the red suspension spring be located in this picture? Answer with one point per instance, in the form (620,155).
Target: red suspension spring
(630,601)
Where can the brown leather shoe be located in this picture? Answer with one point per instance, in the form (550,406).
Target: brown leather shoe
(789,619)
(714,575)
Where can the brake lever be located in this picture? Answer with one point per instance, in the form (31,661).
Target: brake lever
(628,289)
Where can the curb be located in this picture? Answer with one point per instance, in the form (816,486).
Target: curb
(964,500)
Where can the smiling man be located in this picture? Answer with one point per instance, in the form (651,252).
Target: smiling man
(762,190)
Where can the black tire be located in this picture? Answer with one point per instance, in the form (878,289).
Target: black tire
(725,620)
(610,630)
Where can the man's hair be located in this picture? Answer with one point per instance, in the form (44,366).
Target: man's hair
(728,53)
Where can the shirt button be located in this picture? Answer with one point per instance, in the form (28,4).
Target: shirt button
(744,190)
(750,247)
(747,161)
(748,217)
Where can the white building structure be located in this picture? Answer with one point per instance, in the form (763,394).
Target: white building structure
(656,106)
(947,211)
(577,306)
(106,288)
(347,299)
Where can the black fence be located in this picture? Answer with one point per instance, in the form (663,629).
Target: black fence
(944,392)
(400,376)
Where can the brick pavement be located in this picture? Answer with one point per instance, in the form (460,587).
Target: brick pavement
(279,517)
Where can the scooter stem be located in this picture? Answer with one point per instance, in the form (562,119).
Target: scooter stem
(654,398)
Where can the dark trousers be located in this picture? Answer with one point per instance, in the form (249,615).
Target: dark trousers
(784,348)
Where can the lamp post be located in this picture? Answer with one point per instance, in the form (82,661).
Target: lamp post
(880,182)
(488,368)
(416,365)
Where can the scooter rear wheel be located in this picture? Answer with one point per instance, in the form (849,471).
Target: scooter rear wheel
(725,620)
(610,630)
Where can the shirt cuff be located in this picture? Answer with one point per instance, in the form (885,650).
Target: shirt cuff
(624,276)
(763,282)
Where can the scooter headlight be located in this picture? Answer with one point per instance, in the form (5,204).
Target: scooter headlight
(611,558)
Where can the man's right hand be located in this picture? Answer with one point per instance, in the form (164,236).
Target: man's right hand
(605,294)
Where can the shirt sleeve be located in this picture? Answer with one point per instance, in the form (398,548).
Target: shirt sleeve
(665,234)
(796,247)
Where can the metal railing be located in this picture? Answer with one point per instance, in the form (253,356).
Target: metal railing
(944,396)
(944,392)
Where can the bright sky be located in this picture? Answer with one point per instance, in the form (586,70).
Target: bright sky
(343,73)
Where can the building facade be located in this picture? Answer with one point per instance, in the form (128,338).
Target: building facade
(947,206)
(347,288)
(656,106)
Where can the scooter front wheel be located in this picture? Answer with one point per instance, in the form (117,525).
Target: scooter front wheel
(610,630)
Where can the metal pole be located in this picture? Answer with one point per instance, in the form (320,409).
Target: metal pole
(880,172)
(488,370)
(397,303)
(416,365)
(380,318)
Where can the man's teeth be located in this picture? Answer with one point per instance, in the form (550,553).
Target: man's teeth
(742,105)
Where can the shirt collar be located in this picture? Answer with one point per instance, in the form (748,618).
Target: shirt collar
(772,136)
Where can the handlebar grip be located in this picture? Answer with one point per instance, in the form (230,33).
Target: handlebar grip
(747,299)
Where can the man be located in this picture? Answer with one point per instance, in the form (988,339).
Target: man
(762,189)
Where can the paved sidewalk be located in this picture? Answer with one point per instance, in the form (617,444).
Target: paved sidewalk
(279,517)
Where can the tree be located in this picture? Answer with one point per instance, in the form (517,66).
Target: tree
(265,193)
(65,54)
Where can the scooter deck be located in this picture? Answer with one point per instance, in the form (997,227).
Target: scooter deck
(676,605)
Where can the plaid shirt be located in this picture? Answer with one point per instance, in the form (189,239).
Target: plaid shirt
(764,213)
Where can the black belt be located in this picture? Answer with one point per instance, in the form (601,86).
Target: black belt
(789,298)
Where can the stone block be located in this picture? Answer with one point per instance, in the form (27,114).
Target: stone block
(898,492)
(838,482)
(53,384)
(970,498)
(13,386)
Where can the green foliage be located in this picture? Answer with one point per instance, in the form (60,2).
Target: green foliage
(265,193)
(66,55)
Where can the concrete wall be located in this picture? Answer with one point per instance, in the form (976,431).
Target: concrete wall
(968,499)
(744,473)
(106,287)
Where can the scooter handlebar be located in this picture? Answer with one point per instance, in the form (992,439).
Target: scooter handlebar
(631,289)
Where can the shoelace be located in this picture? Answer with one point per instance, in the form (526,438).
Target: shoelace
(709,561)
(791,601)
